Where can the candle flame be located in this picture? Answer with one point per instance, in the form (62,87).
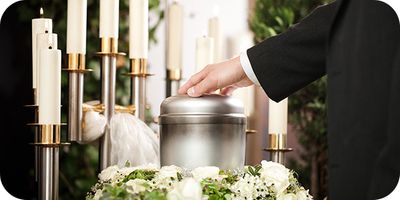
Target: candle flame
(41,12)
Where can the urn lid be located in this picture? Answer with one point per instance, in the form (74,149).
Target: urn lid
(204,109)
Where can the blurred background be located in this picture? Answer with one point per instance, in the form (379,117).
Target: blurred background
(243,24)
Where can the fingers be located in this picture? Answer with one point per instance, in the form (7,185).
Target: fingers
(228,90)
(205,86)
(195,79)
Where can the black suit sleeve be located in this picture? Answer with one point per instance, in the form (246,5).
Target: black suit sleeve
(387,169)
(289,61)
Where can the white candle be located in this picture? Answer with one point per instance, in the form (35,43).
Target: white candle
(49,86)
(277,117)
(43,41)
(174,41)
(215,32)
(138,28)
(239,43)
(247,95)
(109,17)
(204,52)
(39,25)
(76,26)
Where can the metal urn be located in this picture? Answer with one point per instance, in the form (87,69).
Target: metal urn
(204,131)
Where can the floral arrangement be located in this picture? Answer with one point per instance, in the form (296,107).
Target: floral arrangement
(270,180)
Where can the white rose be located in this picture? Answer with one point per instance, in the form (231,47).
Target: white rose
(135,186)
(201,173)
(109,173)
(276,174)
(187,189)
(169,171)
(289,196)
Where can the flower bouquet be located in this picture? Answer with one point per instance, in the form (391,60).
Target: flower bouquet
(269,180)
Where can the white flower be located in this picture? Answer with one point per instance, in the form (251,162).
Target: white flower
(187,189)
(246,187)
(170,171)
(303,194)
(201,173)
(98,194)
(126,170)
(289,196)
(275,174)
(135,186)
(109,173)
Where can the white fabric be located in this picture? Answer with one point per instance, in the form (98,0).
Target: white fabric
(132,140)
(93,128)
(246,65)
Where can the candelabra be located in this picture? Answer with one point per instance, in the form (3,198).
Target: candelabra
(109,53)
(277,147)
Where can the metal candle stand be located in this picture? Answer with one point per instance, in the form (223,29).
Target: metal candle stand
(278,147)
(108,54)
(174,77)
(47,142)
(76,69)
(138,74)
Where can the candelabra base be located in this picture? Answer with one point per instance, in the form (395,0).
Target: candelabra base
(278,147)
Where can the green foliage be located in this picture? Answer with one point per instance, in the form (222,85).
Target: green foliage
(154,195)
(78,163)
(254,171)
(215,190)
(307,107)
(140,174)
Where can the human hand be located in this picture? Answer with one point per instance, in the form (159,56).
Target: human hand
(227,76)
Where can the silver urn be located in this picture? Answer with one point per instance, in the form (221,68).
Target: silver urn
(205,131)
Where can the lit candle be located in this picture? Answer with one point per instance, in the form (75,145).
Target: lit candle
(49,86)
(204,52)
(215,32)
(39,25)
(277,117)
(138,28)
(43,41)
(109,16)
(174,41)
(76,26)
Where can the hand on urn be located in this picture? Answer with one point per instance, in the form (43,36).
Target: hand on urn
(227,76)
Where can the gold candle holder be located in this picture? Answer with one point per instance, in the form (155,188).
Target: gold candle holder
(109,47)
(174,74)
(174,77)
(278,147)
(138,73)
(48,143)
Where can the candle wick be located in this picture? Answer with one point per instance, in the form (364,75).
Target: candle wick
(41,12)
